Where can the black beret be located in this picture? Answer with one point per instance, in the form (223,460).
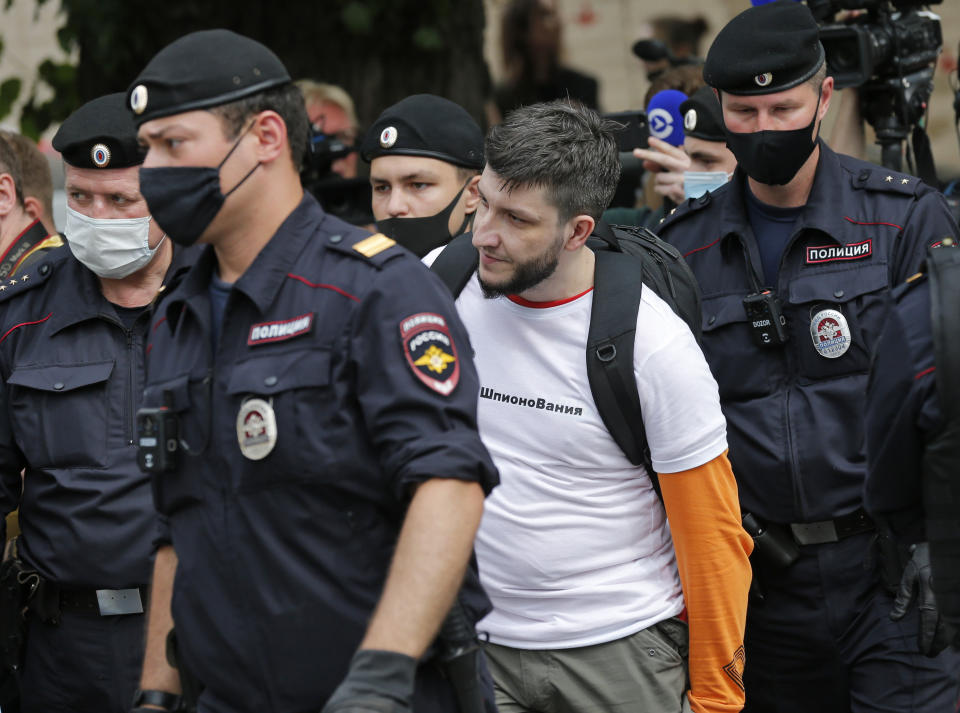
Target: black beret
(100,134)
(765,49)
(202,70)
(426,125)
(702,116)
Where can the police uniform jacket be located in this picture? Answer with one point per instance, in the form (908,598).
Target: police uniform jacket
(72,375)
(795,413)
(903,410)
(284,540)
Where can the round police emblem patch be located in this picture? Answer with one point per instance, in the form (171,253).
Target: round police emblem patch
(100,155)
(690,120)
(430,351)
(830,333)
(764,79)
(138,99)
(256,429)
(388,137)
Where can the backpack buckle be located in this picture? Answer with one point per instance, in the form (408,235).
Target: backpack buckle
(606,353)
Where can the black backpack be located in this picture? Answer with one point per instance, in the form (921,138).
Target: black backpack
(941,460)
(627,257)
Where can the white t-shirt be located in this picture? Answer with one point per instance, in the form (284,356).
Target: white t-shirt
(574,548)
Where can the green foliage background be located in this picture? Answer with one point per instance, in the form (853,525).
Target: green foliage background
(379,50)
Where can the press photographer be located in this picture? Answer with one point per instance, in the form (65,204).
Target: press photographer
(888,51)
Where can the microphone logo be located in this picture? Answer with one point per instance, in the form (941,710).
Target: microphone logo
(661,123)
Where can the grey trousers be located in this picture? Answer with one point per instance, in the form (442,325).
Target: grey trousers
(646,671)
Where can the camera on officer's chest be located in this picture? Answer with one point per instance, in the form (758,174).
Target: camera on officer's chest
(158,439)
(767,323)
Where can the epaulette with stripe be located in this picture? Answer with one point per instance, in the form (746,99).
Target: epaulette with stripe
(375,249)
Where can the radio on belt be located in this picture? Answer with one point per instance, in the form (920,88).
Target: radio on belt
(767,323)
(158,439)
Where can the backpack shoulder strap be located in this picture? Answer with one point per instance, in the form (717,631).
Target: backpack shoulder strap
(613,325)
(456,263)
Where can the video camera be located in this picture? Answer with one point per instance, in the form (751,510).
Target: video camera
(890,52)
(345,198)
(894,38)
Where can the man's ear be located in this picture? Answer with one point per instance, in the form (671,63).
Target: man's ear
(8,194)
(33,208)
(582,228)
(826,95)
(271,133)
(473,195)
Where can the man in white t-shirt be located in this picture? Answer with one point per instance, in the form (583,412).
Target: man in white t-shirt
(591,593)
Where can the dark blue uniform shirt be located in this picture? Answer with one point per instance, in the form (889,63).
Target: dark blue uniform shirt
(72,377)
(795,413)
(282,559)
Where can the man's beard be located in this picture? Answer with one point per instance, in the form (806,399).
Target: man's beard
(527,274)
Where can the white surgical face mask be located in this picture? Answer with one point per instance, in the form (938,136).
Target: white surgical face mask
(696,183)
(110,247)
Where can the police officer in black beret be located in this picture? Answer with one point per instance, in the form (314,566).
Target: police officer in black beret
(73,328)
(796,256)
(326,477)
(425,154)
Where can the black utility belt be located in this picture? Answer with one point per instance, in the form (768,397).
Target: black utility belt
(778,546)
(103,602)
(819,533)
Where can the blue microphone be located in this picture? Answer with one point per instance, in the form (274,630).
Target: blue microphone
(663,116)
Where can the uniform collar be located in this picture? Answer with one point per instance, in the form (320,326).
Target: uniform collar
(29,237)
(821,212)
(86,301)
(262,280)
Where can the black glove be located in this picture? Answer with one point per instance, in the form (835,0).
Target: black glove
(934,634)
(377,682)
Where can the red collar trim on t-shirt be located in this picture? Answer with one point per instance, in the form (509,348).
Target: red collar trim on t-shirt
(517,299)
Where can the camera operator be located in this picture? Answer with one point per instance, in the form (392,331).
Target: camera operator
(329,170)
(887,50)
(795,257)
(330,109)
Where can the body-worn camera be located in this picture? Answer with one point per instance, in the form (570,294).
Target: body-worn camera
(158,439)
(767,323)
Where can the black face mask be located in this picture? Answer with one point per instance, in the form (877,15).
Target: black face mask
(184,200)
(773,157)
(421,235)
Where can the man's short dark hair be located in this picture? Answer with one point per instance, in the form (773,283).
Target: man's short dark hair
(465,174)
(37,181)
(562,146)
(9,163)
(286,100)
